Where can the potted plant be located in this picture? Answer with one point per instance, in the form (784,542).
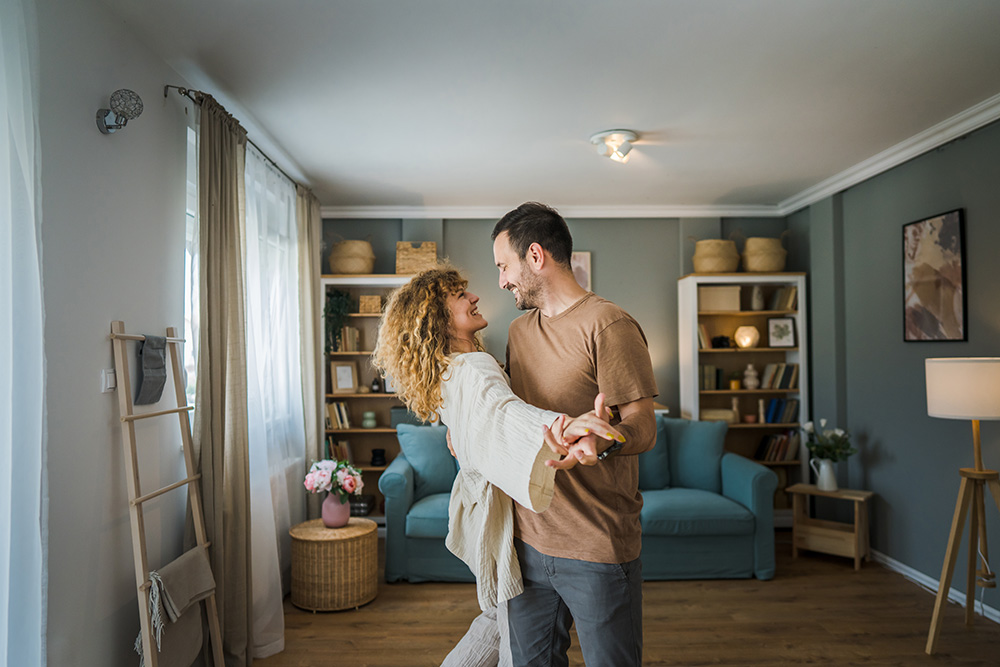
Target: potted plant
(338,479)
(826,446)
(338,306)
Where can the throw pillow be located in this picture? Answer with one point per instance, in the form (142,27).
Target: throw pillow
(654,465)
(426,449)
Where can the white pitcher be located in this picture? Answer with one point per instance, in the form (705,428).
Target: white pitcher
(826,480)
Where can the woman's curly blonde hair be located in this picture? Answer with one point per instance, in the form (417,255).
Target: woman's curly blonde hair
(413,339)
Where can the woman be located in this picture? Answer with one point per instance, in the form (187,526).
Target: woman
(428,342)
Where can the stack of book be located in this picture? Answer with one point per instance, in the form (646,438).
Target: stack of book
(350,339)
(337,416)
(711,378)
(783,298)
(781,411)
(779,447)
(362,505)
(339,450)
(780,376)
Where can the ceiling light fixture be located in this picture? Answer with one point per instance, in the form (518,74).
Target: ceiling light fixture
(615,144)
(125,106)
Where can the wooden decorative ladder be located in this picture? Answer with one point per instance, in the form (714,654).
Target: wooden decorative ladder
(128,418)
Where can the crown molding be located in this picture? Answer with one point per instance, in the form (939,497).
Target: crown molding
(953,128)
(569,211)
(957,126)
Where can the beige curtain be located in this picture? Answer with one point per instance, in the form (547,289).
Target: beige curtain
(220,438)
(311,328)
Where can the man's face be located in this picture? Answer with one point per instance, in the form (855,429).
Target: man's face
(515,275)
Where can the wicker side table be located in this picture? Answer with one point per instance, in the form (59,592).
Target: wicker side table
(334,568)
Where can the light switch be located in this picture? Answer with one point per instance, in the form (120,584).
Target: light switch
(107,380)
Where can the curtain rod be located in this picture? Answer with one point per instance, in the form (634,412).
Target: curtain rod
(196,97)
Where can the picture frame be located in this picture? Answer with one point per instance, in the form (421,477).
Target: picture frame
(580,263)
(935,307)
(343,377)
(781,332)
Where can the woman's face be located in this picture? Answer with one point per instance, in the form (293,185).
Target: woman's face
(466,319)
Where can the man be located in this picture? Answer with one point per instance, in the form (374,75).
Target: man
(579,559)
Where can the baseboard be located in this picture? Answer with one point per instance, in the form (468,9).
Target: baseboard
(931,585)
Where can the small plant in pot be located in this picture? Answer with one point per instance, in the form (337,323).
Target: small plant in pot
(827,446)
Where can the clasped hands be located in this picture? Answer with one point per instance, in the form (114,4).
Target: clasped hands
(577,439)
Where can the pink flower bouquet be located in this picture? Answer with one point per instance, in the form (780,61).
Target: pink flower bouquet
(334,476)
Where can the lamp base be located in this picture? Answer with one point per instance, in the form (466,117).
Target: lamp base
(971,501)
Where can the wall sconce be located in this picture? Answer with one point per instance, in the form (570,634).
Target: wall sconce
(747,337)
(125,106)
(615,144)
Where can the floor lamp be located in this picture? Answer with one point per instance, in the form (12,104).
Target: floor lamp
(965,388)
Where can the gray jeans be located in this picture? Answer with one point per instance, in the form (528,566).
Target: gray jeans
(604,600)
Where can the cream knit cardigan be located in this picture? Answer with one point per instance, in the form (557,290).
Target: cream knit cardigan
(501,452)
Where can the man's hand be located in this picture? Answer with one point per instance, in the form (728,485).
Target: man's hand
(580,437)
(447,436)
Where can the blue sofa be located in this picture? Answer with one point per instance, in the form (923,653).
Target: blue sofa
(707,514)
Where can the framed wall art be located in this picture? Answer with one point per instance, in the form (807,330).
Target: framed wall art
(934,294)
(580,262)
(344,377)
(781,332)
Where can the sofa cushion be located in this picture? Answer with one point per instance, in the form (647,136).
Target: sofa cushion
(681,512)
(695,450)
(654,465)
(428,517)
(426,448)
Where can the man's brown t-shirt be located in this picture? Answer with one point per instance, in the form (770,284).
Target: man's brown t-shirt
(561,363)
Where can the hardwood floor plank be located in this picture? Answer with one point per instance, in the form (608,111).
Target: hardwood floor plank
(816,611)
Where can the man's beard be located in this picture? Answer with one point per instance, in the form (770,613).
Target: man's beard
(528,292)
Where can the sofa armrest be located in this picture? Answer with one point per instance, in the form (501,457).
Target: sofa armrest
(396,484)
(752,485)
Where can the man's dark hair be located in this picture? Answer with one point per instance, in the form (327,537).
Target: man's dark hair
(532,222)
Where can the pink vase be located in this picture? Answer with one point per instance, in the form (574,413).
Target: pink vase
(335,513)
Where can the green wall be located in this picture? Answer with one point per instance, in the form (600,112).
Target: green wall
(868,377)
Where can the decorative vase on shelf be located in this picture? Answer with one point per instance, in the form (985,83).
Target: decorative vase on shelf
(750,378)
(825,479)
(335,513)
(368,420)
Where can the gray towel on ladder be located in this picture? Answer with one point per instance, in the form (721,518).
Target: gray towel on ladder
(152,369)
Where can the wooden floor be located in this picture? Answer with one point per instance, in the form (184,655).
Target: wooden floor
(816,611)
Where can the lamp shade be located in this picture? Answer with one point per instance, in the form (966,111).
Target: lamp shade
(963,387)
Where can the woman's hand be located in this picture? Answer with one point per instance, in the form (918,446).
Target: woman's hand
(577,439)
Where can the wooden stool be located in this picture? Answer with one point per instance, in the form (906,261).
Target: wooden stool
(830,537)
(334,568)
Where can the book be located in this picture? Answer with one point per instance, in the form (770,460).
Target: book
(793,382)
(704,342)
(333,416)
(778,372)
(345,450)
(345,420)
(786,377)
(768,376)
(789,298)
(794,440)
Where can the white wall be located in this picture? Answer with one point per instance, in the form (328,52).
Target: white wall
(112,244)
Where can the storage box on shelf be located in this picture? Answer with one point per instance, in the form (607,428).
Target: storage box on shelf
(765,420)
(345,405)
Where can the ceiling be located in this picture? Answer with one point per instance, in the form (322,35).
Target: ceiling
(462,106)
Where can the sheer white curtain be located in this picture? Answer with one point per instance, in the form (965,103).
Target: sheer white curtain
(22,362)
(277,434)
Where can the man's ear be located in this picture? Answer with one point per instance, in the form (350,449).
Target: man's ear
(535,256)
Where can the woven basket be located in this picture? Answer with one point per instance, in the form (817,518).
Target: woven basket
(352,257)
(412,259)
(763,255)
(715,256)
(334,568)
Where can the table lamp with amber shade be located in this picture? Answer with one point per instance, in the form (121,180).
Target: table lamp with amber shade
(965,388)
